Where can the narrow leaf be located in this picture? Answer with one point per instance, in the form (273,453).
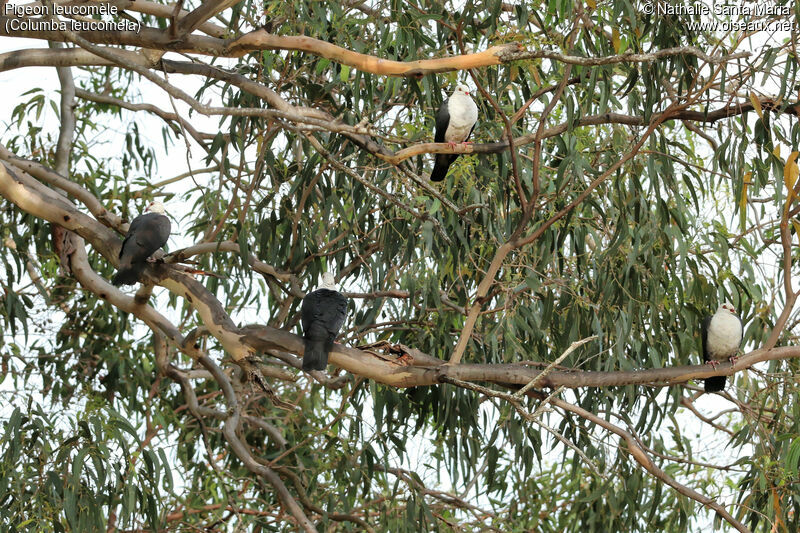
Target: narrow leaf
(746,180)
(615,40)
(790,172)
(796,225)
(756,104)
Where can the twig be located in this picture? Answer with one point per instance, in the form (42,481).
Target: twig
(520,393)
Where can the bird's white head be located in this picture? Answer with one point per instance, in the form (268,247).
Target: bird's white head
(461,89)
(155,207)
(727,306)
(328,281)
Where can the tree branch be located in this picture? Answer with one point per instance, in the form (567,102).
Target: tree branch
(64,57)
(261,39)
(169,118)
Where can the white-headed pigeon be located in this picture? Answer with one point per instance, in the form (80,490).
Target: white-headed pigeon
(455,121)
(147,233)
(323,312)
(722,336)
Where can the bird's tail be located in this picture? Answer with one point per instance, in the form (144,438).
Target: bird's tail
(440,167)
(126,276)
(714,384)
(315,357)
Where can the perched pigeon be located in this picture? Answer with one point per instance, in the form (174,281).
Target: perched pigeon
(323,313)
(722,336)
(455,121)
(147,233)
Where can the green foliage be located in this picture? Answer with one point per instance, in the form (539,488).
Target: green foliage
(71,474)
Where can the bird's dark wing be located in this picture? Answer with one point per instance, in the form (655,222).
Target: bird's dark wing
(333,310)
(136,223)
(308,310)
(324,308)
(148,233)
(124,244)
(305,316)
(442,121)
(322,312)
(134,227)
(442,162)
(704,335)
(340,311)
(154,232)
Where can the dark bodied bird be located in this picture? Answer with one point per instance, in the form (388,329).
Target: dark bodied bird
(722,336)
(455,121)
(147,233)
(323,312)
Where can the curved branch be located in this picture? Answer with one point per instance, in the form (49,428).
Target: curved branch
(320,119)
(189,22)
(90,280)
(261,39)
(35,198)
(230,246)
(292,113)
(159,10)
(64,57)
(167,117)
(519,374)
(728,111)
(67,112)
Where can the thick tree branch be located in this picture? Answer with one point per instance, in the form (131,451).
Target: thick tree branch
(590,120)
(90,280)
(263,40)
(65,57)
(790,296)
(321,120)
(164,11)
(36,199)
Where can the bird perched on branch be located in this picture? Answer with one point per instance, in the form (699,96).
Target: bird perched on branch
(455,121)
(323,312)
(147,233)
(722,336)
